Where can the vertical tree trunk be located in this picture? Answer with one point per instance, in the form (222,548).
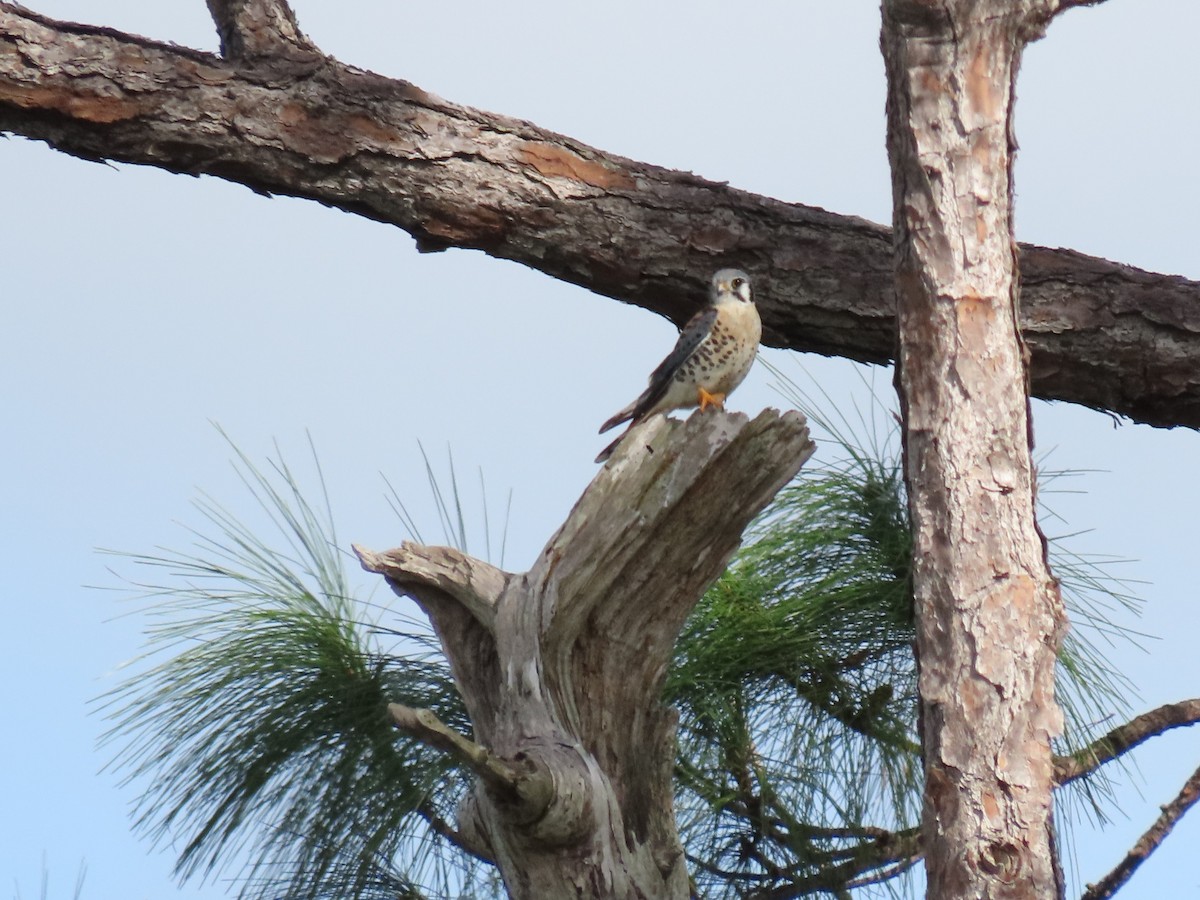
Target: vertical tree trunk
(989,614)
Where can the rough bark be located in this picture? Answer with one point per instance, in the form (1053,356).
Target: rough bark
(251,29)
(278,117)
(562,667)
(989,614)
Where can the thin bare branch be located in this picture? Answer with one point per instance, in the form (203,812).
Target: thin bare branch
(1101,334)
(525,786)
(1124,738)
(1148,842)
(460,840)
(886,874)
(253,29)
(892,852)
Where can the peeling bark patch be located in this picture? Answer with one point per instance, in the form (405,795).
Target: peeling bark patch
(982,86)
(371,131)
(558,162)
(713,239)
(1007,606)
(977,698)
(976,319)
(314,136)
(76,104)
(292,114)
(929,83)
(985,153)
(975,312)
(198,71)
(991,809)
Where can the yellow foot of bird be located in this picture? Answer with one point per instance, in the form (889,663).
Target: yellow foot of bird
(707,400)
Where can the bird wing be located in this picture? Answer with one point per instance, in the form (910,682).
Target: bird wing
(694,334)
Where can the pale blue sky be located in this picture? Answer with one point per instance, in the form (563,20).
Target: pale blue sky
(139,305)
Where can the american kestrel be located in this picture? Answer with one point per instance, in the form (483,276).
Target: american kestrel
(714,352)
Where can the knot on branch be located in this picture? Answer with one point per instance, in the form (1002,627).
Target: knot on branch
(542,790)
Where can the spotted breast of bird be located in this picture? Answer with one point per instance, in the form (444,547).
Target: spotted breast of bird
(714,352)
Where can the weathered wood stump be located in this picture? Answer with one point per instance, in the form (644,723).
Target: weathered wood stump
(562,667)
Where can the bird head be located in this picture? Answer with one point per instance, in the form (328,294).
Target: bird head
(731,285)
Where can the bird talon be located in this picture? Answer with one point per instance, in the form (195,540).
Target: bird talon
(707,400)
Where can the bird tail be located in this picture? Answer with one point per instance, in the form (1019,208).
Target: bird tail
(608,451)
(617,418)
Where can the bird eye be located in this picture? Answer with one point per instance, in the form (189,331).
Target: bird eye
(737,283)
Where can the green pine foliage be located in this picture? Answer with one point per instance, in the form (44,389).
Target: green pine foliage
(256,729)
(262,738)
(798,759)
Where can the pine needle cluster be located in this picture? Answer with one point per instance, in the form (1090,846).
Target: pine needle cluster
(255,727)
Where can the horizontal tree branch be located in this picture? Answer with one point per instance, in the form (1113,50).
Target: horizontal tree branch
(1124,738)
(1148,842)
(1101,334)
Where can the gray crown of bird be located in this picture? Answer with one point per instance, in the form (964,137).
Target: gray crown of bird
(715,350)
